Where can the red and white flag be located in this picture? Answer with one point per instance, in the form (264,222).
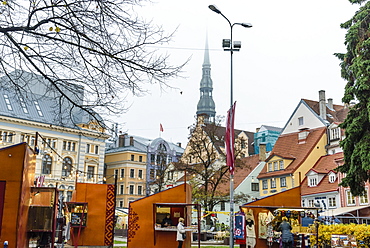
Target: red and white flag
(229,139)
(161,127)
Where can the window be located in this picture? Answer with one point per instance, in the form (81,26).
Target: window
(69,196)
(332,202)
(170,175)
(132,173)
(120,204)
(90,172)
(364,198)
(132,157)
(67,166)
(283,182)
(140,174)
(281,164)
(116,173)
(312,182)
(350,198)
(7,136)
(7,102)
(222,206)
(46,164)
(122,173)
(121,189)
(131,189)
(87,148)
(152,173)
(300,121)
(270,166)
(332,178)
(335,133)
(139,190)
(96,149)
(273,183)
(152,158)
(140,158)
(23,105)
(276,165)
(68,145)
(255,186)
(38,108)
(264,184)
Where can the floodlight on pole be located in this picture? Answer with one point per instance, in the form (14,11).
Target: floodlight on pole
(228,45)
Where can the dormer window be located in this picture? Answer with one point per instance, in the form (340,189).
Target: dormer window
(270,167)
(335,133)
(332,177)
(312,181)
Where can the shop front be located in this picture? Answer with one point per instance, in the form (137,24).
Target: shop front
(260,221)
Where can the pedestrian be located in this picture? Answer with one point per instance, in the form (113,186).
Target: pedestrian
(180,237)
(286,234)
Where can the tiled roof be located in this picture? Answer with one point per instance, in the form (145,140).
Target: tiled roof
(287,146)
(337,114)
(323,166)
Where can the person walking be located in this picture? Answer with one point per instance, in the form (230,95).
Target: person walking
(180,237)
(286,234)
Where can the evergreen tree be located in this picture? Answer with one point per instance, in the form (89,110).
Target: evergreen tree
(355,68)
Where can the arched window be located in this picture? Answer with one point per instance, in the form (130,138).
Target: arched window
(46,164)
(67,166)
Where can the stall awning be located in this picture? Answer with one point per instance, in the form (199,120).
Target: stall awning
(341,211)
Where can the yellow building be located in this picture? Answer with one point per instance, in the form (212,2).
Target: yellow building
(126,165)
(292,157)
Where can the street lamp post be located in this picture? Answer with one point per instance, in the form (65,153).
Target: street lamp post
(231,46)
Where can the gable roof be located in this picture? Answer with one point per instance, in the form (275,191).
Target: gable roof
(324,165)
(287,146)
(337,114)
(220,133)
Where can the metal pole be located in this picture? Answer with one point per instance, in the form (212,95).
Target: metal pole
(231,174)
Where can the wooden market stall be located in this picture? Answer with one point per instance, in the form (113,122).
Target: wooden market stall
(262,218)
(147,214)
(16,180)
(91,215)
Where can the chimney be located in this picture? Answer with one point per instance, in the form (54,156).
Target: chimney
(330,103)
(322,104)
(121,140)
(131,141)
(262,154)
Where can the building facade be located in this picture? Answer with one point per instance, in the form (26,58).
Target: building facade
(69,143)
(138,166)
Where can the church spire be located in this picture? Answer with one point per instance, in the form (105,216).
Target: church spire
(206,106)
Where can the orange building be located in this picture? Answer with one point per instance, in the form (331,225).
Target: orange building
(91,213)
(16,179)
(146,214)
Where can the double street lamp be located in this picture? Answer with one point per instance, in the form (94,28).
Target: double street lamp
(231,46)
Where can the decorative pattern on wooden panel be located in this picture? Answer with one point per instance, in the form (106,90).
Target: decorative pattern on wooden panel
(133,226)
(109,217)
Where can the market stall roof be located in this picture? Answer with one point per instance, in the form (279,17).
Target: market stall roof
(341,211)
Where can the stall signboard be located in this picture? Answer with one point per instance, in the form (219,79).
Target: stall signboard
(239,229)
(343,241)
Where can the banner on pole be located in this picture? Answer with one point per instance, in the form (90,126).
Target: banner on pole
(230,138)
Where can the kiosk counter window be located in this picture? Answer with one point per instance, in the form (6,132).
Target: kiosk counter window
(166,216)
(77,213)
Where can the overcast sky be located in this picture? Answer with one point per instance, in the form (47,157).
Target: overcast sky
(287,55)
